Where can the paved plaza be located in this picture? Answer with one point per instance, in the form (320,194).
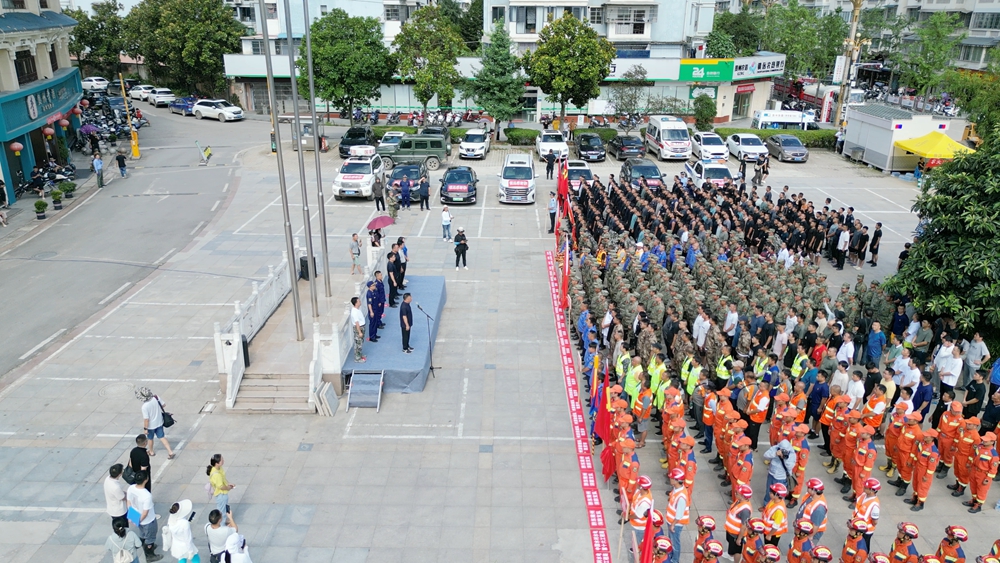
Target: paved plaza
(482,466)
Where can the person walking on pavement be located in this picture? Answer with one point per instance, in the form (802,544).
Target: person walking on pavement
(378,192)
(461,247)
(124,541)
(550,166)
(141,501)
(114,496)
(446,219)
(355,249)
(181,540)
(404,192)
(98,165)
(121,160)
(220,485)
(406,321)
(424,188)
(152,420)
(553,208)
(358,321)
(217,532)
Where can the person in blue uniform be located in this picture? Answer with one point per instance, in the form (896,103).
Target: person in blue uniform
(380,294)
(371,307)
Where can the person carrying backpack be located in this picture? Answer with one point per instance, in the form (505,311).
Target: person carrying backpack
(124,545)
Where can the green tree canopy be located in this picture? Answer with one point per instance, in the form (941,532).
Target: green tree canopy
(720,45)
(350,61)
(570,62)
(98,41)
(977,93)
(926,59)
(810,43)
(427,49)
(627,96)
(704,112)
(499,85)
(745,29)
(954,266)
(141,27)
(471,25)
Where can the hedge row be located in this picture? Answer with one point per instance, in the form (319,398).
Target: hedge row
(522,137)
(381,130)
(822,139)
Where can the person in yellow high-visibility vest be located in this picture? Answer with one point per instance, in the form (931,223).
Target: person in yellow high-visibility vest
(657,371)
(800,364)
(622,364)
(724,369)
(632,386)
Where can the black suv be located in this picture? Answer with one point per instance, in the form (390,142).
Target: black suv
(626,146)
(589,146)
(115,86)
(356,136)
(459,185)
(413,173)
(635,168)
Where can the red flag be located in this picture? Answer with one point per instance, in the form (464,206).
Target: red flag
(602,420)
(607,461)
(646,549)
(563,181)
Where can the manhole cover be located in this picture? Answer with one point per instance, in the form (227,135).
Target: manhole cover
(113,389)
(43,256)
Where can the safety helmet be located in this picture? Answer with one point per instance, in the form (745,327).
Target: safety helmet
(987,559)
(657,517)
(959,533)
(780,490)
(858,525)
(909,528)
(645,482)
(873,484)
(714,547)
(677,474)
(878,557)
(706,522)
(822,553)
(815,484)
(805,526)
(771,553)
(744,491)
(663,544)
(756,525)
(929,559)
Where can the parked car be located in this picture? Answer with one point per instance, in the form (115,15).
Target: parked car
(701,172)
(414,149)
(707,146)
(115,103)
(459,185)
(356,136)
(140,92)
(217,109)
(475,144)
(413,172)
(551,140)
(95,83)
(626,146)
(576,171)
(160,97)
(745,146)
(391,138)
(183,106)
(589,146)
(444,132)
(635,168)
(359,173)
(115,86)
(787,147)
(517,179)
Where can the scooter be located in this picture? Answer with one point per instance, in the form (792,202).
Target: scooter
(374,117)
(393,118)
(598,122)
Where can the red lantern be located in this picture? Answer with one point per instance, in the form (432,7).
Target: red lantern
(48,131)
(64,123)
(17,148)
(77,111)
(84,103)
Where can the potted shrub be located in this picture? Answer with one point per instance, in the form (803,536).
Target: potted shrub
(57,196)
(113,139)
(40,207)
(67,188)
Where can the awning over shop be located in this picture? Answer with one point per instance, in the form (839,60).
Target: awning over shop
(933,145)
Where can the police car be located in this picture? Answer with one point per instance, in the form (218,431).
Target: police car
(714,171)
(359,174)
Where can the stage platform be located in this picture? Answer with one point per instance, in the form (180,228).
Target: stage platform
(405,373)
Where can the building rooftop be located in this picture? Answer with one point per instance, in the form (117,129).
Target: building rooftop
(13,22)
(883,112)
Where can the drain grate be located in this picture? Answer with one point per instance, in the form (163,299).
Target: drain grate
(116,389)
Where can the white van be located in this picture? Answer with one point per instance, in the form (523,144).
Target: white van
(517,179)
(783,119)
(667,137)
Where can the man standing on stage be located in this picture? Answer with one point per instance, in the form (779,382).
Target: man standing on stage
(406,321)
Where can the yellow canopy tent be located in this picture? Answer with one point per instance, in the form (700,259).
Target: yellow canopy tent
(934,145)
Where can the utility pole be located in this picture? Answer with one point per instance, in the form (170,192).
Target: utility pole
(852,47)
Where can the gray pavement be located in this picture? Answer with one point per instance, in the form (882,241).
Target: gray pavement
(480,466)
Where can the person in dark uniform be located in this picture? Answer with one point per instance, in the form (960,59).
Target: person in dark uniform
(392,269)
(406,321)
(550,164)
(380,289)
(873,247)
(371,307)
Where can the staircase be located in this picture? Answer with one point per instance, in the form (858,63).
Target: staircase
(274,393)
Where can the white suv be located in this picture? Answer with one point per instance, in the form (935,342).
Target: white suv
(217,109)
(160,97)
(708,146)
(475,144)
(551,140)
(517,179)
(359,174)
(140,92)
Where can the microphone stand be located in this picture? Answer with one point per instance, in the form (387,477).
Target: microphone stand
(430,347)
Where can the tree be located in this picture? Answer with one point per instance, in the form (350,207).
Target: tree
(97,41)
(745,29)
(427,49)
(350,61)
(978,94)
(954,266)
(141,27)
(885,33)
(570,62)
(704,112)
(498,85)
(932,52)
(810,43)
(720,45)
(471,26)
(627,96)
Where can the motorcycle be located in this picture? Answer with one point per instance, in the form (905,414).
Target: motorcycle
(22,186)
(627,122)
(393,118)
(373,119)
(598,122)
(546,120)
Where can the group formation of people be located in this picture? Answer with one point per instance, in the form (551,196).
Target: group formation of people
(707,302)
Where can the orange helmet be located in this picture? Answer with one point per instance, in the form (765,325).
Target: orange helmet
(910,529)
(958,532)
(771,553)
(873,484)
(645,482)
(822,553)
(756,525)
(706,522)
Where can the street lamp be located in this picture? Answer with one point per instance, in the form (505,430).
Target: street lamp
(852,46)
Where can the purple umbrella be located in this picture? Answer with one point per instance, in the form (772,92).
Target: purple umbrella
(88,129)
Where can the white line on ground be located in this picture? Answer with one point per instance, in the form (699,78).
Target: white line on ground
(8,433)
(303,227)
(149,337)
(424,224)
(482,214)
(147,303)
(350,421)
(216,205)
(263,209)
(163,258)
(41,344)
(482,438)
(461,412)
(538,221)
(225,188)
(114,293)
(56,222)
(180,446)
(880,196)
(230,172)
(112,435)
(195,229)
(113,379)
(51,509)
(392,425)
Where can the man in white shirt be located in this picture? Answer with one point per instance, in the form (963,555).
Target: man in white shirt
(700,328)
(358,321)
(780,340)
(732,320)
(791,321)
(856,390)
(950,369)
(142,501)
(606,323)
(840,377)
(843,242)
(910,377)
(114,496)
(899,364)
(943,352)
(976,355)
(846,351)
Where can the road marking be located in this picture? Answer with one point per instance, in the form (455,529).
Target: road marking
(115,292)
(538,221)
(391,425)
(112,435)
(180,446)
(42,344)
(51,509)
(482,213)
(461,412)
(350,421)
(150,337)
(216,205)
(263,209)
(59,218)
(153,304)
(424,224)
(195,229)
(225,188)
(163,258)
(113,379)
(878,195)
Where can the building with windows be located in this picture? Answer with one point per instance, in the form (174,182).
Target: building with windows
(38,86)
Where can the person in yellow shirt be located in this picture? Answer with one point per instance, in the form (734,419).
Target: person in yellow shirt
(220,486)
